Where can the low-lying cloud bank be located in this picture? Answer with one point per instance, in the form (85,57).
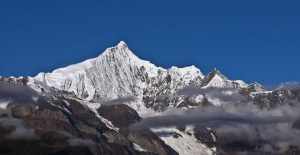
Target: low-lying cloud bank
(275,128)
(239,114)
(235,120)
(121,100)
(17,93)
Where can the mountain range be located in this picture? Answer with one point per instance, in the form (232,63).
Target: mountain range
(119,73)
(118,103)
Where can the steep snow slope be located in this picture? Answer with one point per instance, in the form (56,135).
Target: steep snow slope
(111,75)
(217,80)
(117,72)
(183,142)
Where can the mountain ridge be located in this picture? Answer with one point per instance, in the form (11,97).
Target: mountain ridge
(118,73)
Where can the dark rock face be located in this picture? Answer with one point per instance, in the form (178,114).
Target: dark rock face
(296,124)
(55,125)
(205,136)
(120,115)
(43,131)
(286,96)
(150,141)
(22,111)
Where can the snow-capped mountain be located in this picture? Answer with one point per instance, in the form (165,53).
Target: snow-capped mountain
(118,72)
(217,79)
(84,101)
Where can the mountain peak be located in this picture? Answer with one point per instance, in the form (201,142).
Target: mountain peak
(121,47)
(215,79)
(121,44)
(216,72)
(119,52)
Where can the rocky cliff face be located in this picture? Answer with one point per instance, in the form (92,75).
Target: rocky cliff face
(45,124)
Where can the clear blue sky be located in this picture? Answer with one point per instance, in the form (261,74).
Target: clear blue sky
(249,40)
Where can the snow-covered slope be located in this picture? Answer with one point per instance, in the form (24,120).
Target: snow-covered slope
(217,80)
(119,73)
(115,73)
(183,142)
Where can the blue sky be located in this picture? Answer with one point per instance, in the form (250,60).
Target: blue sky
(253,40)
